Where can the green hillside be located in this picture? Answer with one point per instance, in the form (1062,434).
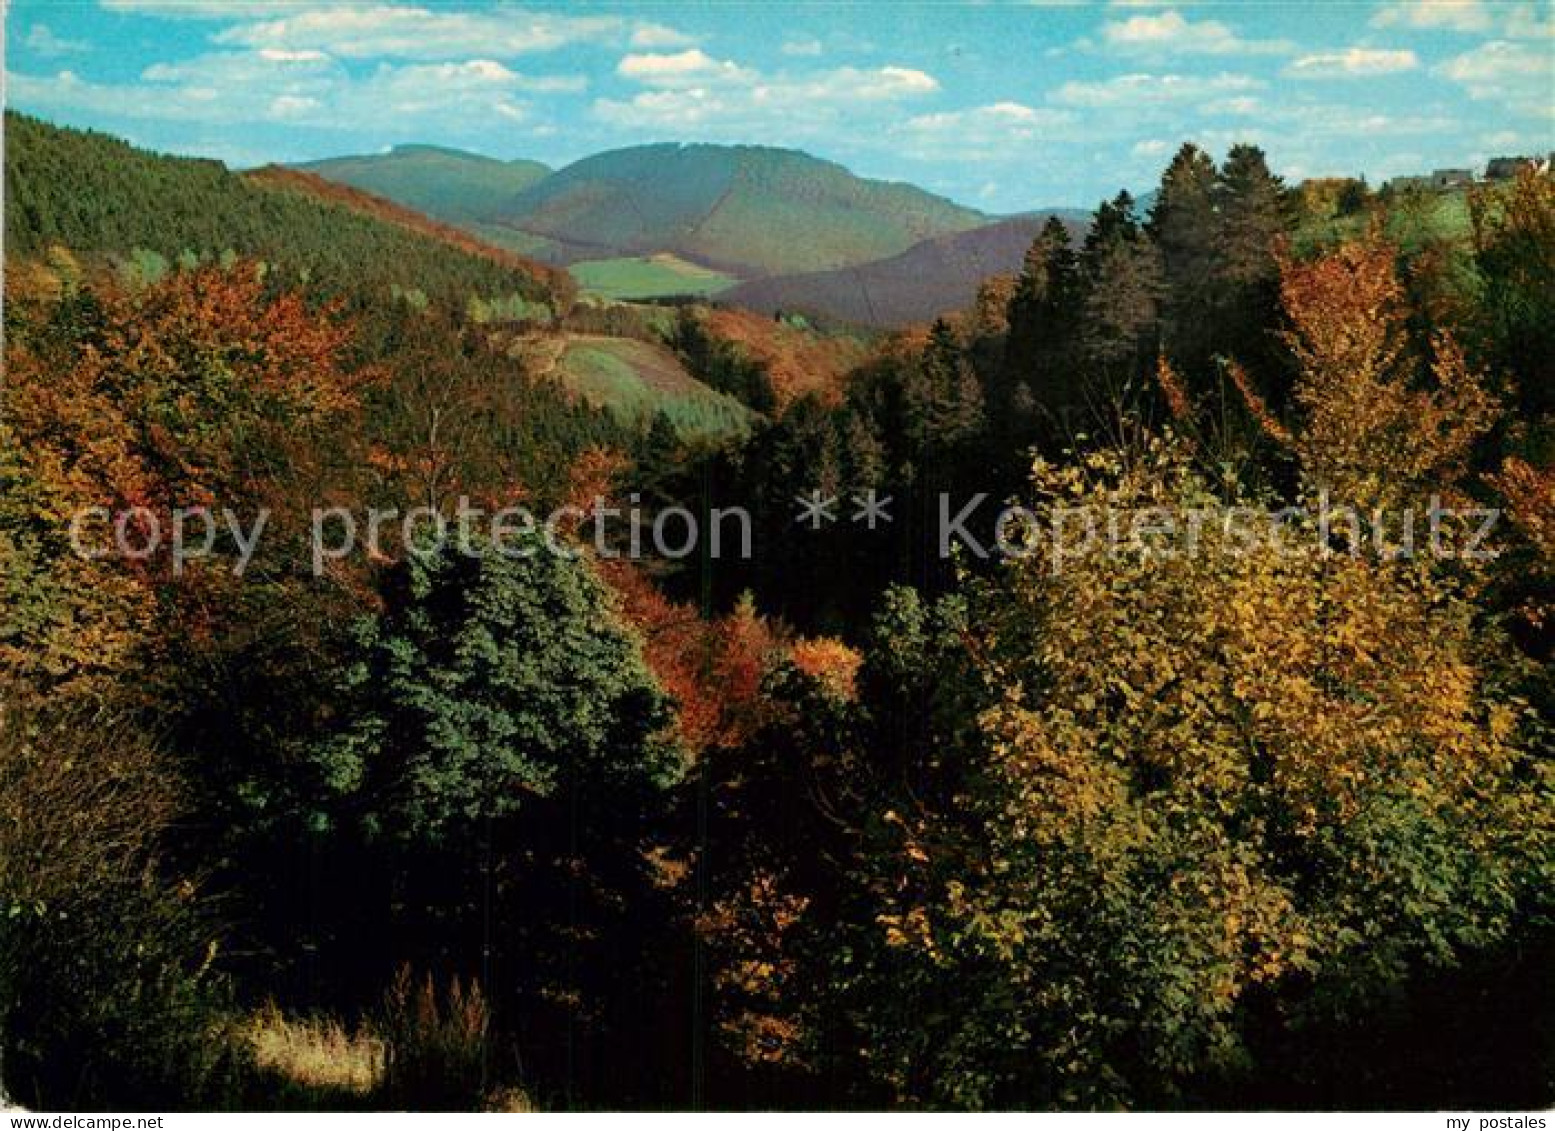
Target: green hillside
(637,381)
(102,197)
(448,184)
(1413,218)
(647,276)
(745,210)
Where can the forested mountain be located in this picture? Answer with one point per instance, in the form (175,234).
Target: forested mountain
(447,184)
(747,210)
(96,195)
(557,282)
(934,277)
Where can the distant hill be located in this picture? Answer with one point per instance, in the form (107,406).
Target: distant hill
(104,199)
(937,275)
(745,210)
(447,184)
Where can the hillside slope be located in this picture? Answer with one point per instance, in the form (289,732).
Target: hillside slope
(382,208)
(745,210)
(798,360)
(447,184)
(938,275)
(635,380)
(102,198)
(647,277)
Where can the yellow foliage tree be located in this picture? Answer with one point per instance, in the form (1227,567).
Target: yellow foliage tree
(1218,760)
(1371,434)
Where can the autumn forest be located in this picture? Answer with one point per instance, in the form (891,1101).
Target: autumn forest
(867,817)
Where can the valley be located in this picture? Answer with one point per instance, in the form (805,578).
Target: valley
(868,817)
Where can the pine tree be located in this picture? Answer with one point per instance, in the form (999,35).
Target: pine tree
(1039,357)
(1184,225)
(1122,273)
(954,405)
(1253,216)
(1114,220)
(1042,306)
(491,677)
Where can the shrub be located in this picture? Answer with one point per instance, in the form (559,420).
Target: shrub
(107,995)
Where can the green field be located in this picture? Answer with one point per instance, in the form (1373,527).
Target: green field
(648,277)
(1414,218)
(637,381)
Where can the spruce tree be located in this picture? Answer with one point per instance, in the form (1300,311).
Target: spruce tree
(1253,217)
(1039,359)
(1121,309)
(1184,226)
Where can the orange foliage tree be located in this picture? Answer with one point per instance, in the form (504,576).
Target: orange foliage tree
(1371,433)
(205,390)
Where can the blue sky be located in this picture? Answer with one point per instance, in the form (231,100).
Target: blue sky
(1001,106)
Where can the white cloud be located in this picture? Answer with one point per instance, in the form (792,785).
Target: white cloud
(357,31)
(252,73)
(691,89)
(1342,121)
(1352,62)
(874,83)
(982,134)
(1452,15)
(1512,19)
(1171,33)
(673,110)
(364,29)
(719,99)
(1147,91)
(802,46)
(1241,106)
(284,71)
(1520,76)
(657,36)
(65,90)
(292,105)
(1485,69)
(281,55)
(686,68)
(1001,115)
(1513,141)
(1529,21)
(423,90)
(302,88)
(201,9)
(42,40)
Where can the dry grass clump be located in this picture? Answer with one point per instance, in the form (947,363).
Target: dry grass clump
(510,1100)
(425,1049)
(317,1054)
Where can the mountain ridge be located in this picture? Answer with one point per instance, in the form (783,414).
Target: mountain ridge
(748,210)
(452,185)
(932,277)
